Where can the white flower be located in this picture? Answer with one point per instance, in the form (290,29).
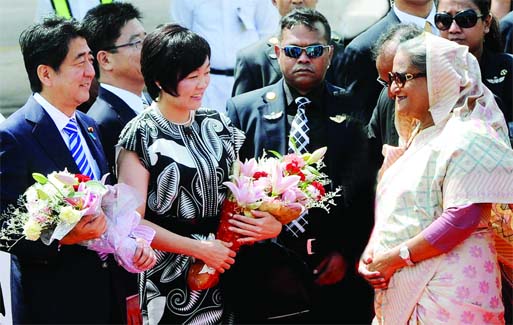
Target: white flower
(69,215)
(32,230)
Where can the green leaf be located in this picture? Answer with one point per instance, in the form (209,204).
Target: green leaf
(42,195)
(275,153)
(96,186)
(40,178)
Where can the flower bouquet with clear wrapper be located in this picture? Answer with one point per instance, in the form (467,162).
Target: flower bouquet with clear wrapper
(285,186)
(54,204)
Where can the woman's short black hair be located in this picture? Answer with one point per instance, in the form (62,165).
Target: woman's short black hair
(47,43)
(168,55)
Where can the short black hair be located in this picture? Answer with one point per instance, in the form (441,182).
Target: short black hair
(398,32)
(47,43)
(307,17)
(168,55)
(103,23)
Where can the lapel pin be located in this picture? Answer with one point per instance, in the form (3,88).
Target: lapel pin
(273,116)
(270,96)
(90,131)
(338,118)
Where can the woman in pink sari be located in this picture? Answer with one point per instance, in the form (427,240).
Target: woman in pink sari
(431,257)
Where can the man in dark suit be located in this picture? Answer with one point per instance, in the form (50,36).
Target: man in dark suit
(63,282)
(257,66)
(329,244)
(358,71)
(115,34)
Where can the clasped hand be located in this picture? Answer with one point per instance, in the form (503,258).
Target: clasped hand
(262,226)
(377,270)
(217,254)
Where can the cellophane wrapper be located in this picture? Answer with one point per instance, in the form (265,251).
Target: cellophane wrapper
(119,205)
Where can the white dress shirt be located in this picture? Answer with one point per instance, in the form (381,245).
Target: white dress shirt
(61,120)
(132,100)
(406,18)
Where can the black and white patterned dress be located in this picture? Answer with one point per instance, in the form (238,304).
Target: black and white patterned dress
(187,166)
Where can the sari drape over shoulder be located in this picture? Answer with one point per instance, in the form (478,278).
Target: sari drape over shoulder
(464,158)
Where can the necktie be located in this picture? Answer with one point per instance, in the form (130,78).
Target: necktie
(76,148)
(427,27)
(298,137)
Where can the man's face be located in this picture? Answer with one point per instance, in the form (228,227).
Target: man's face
(70,84)
(125,61)
(286,6)
(304,73)
(385,62)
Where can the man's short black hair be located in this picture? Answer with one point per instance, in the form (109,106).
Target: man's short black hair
(103,23)
(168,55)
(47,43)
(397,32)
(307,17)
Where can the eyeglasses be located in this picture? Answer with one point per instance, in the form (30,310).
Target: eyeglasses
(464,19)
(135,44)
(401,78)
(382,82)
(312,51)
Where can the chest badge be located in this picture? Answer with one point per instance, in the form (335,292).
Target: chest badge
(338,118)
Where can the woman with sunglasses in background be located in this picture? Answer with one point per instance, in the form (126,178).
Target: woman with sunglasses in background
(431,257)
(470,22)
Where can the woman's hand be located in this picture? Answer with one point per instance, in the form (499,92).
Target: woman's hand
(385,264)
(144,257)
(216,254)
(262,226)
(375,279)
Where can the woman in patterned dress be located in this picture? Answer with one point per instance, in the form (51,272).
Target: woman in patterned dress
(178,155)
(431,256)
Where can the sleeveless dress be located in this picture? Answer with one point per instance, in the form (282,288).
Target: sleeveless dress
(187,166)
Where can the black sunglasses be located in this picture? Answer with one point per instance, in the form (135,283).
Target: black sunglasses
(312,51)
(464,19)
(401,78)
(135,44)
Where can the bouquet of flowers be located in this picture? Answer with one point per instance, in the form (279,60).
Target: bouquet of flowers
(51,207)
(285,186)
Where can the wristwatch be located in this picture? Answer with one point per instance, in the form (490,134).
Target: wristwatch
(404,253)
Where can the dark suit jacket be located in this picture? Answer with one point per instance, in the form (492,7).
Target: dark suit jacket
(69,284)
(506,28)
(359,69)
(111,114)
(346,228)
(256,66)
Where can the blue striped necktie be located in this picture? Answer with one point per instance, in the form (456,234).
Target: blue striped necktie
(76,148)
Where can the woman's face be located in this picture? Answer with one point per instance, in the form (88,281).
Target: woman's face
(473,37)
(191,89)
(412,99)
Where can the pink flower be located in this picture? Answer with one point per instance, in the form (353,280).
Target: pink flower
(462,292)
(494,302)
(484,287)
(470,271)
(488,266)
(467,317)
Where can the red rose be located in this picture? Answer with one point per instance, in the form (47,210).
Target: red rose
(293,168)
(81,179)
(257,175)
(320,188)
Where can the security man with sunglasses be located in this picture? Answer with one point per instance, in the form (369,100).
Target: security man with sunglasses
(327,244)
(257,65)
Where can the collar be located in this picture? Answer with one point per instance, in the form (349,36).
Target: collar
(406,18)
(59,118)
(315,95)
(132,100)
